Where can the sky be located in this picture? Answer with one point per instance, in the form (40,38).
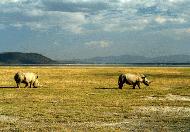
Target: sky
(74,29)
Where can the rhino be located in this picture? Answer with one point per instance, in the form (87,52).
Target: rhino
(132,79)
(26,78)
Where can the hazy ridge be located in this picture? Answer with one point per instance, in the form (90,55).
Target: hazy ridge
(35,58)
(126,59)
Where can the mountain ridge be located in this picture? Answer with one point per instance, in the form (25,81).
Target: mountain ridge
(24,58)
(35,58)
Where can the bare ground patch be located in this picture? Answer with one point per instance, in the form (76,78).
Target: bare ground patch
(126,124)
(169,97)
(5,118)
(143,117)
(166,110)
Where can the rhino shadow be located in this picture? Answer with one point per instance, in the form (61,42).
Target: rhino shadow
(8,87)
(106,88)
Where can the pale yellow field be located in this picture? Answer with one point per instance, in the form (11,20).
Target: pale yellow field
(88,99)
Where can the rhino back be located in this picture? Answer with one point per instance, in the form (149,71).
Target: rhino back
(30,76)
(132,78)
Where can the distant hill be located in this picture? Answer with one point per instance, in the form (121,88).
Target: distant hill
(24,58)
(129,59)
(171,59)
(117,59)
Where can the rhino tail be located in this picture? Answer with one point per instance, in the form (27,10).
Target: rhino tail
(121,80)
(17,78)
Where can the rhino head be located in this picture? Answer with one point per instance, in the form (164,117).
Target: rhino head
(145,80)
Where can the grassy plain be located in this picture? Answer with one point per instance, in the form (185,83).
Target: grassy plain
(88,99)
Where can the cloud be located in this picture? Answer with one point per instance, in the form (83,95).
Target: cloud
(181,31)
(126,23)
(75,6)
(176,1)
(88,16)
(162,20)
(2,26)
(8,1)
(98,44)
(188,30)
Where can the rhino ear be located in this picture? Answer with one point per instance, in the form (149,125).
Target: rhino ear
(143,76)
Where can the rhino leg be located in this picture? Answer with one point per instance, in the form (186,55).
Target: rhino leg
(138,84)
(120,86)
(18,85)
(26,85)
(121,80)
(30,85)
(134,86)
(33,84)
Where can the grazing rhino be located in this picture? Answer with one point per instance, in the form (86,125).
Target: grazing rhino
(132,79)
(26,78)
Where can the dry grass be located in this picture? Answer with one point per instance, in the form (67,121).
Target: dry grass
(87,99)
